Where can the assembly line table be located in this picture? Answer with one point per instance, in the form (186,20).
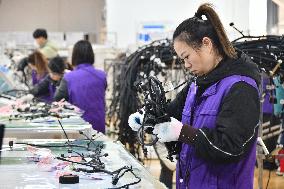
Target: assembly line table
(17,172)
(50,129)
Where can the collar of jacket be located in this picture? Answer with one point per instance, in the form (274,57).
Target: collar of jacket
(210,91)
(43,45)
(243,66)
(84,65)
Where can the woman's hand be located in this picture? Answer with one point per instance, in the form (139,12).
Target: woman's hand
(168,131)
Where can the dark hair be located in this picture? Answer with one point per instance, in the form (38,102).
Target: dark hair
(57,65)
(40,33)
(194,29)
(83,53)
(39,61)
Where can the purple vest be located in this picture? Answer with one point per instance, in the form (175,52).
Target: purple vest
(86,90)
(35,78)
(45,98)
(197,173)
(49,98)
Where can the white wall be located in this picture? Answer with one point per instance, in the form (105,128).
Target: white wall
(257,17)
(54,15)
(281,19)
(280,3)
(124,16)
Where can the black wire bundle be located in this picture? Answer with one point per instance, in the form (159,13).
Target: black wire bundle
(116,175)
(150,60)
(95,165)
(15,93)
(118,67)
(265,51)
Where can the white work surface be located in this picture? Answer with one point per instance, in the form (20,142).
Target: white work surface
(17,172)
(48,129)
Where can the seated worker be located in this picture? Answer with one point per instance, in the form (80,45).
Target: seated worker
(47,87)
(38,63)
(46,47)
(85,86)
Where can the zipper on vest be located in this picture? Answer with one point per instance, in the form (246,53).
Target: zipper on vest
(180,172)
(187,177)
(196,103)
(184,178)
(192,112)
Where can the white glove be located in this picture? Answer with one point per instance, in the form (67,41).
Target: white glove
(135,120)
(27,98)
(168,131)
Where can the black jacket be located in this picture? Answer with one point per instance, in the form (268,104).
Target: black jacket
(42,88)
(62,91)
(238,116)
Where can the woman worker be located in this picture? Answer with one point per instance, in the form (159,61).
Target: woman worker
(85,86)
(215,117)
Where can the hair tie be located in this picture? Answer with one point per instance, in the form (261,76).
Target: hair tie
(198,15)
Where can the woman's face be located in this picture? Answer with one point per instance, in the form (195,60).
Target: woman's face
(199,61)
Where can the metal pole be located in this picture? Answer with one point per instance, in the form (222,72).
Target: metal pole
(260,134)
